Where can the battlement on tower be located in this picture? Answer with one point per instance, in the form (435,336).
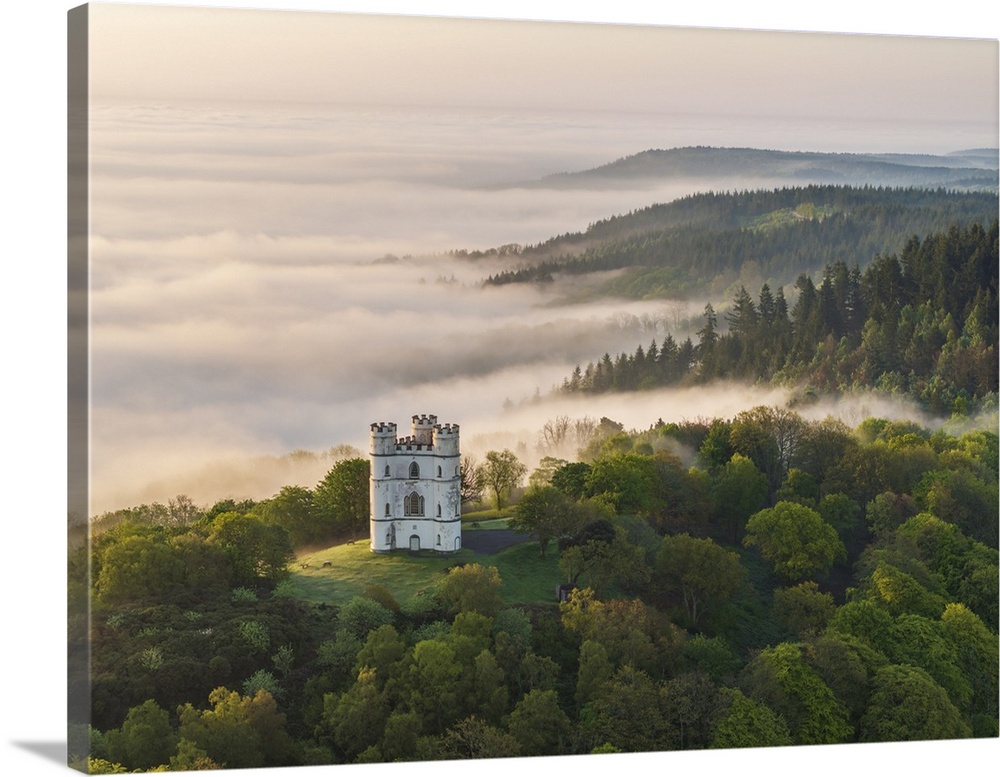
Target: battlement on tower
(412,444)
(426,435)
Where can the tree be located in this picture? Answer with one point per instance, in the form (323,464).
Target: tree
(136,561)
(627,481)
(846,665)
(690,704)
(795,539)
(362,615)
(601,553)
(432,685)
(256,550)
(471,487)
(501,473)
(542,476)
(803,609)
(571,478)
(844,515)
(382,651)
(539,724)
(770,437)
(704,574)
(342,497)
(907,705)
(146,738)
(740,490)
(781,678)
(628,714)
(191,758)
(357,718)
(292,507)
(238,731)
(489,696)
(472,587)
(474,738)
(901,592)
(977,655)
(748,723)
(708,337)
(594,671)
(681,498)
(961,498)
(629,631)
(545,513)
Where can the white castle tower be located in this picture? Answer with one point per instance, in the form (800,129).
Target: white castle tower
(415,487)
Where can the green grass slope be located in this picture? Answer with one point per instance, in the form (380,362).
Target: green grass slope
(527,578)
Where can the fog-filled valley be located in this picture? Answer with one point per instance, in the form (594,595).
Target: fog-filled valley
(330,285)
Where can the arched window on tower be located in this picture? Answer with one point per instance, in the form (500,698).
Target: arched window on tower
(413,504)
(439,511)
(439,472)
(414,470)
(387,470)
(388,510)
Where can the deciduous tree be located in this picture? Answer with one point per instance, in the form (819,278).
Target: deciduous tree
(342,498)
(545,513)
(501,473)
(472,587)
(705,574)
(539,724)
(795,539)
(906,705)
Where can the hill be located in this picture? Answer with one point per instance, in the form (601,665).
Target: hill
(968,170)
(703,244)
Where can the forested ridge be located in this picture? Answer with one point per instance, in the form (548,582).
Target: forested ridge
(706,242)
(922,323)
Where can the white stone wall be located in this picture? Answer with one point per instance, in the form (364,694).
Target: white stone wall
(434,449)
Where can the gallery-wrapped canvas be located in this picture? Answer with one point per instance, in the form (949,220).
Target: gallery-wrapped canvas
(450,388)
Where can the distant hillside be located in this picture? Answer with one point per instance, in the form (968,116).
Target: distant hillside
(974,169)
(702,244)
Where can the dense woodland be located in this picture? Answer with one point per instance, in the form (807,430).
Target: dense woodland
(802,582)
(922,323)
(760,580)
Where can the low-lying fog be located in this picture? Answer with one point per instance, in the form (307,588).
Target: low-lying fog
(264,281)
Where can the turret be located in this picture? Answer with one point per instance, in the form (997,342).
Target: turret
(423,429)
(383,438)
(445,439)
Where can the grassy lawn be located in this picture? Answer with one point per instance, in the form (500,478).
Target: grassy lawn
(528,579)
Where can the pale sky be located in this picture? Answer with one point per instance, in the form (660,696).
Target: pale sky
(169,53)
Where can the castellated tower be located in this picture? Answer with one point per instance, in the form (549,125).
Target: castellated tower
(416,487)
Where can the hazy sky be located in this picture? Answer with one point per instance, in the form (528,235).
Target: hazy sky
(164,53)
(272,193)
